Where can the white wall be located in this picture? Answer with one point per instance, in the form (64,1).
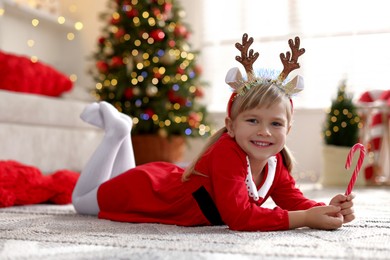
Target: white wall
(305,142)
(87,12)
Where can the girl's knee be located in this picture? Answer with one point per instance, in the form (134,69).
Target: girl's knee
(85,205)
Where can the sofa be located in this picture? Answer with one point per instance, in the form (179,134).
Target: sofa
(45,132)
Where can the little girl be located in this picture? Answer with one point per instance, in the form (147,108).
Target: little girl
(242,165)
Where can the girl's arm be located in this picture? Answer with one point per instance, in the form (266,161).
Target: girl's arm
(228,167)
(322,217)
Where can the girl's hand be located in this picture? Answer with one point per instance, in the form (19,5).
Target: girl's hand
(346,205)
(322,217)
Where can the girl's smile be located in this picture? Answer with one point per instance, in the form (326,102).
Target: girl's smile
(261,144)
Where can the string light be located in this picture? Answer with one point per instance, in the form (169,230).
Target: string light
(61,20)
(72,8)
(136,21)
(150,41)
(35,22)
(73,77)
(151,21)
(30,43)
(34,59)
(78,26)
(139,79)
(99,86)
(70,36)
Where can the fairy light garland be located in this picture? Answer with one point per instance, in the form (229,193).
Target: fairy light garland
(37,21)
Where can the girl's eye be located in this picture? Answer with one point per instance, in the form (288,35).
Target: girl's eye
(277,124)
(252,120)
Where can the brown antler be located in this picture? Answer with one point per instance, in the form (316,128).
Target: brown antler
(290,62)
(246,59)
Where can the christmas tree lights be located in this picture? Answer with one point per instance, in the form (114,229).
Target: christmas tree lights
(342,122)
(146,69)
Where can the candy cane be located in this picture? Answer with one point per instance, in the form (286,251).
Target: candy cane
(376,127)
(358,166)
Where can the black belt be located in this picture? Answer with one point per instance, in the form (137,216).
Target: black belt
(207,206)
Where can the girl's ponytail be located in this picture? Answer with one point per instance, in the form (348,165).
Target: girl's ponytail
(212,139)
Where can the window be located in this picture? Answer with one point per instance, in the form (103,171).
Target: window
(344,39)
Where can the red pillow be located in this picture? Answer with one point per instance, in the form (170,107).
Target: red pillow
(20,74)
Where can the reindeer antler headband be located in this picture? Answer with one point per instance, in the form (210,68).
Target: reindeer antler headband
(289,61)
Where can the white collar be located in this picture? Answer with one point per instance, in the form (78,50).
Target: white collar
(251,186)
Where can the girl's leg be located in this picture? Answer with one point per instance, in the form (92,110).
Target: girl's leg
(125,158)
(100,166)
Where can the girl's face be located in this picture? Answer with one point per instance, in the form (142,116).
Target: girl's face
(260,132)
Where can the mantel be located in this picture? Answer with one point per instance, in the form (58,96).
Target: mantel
(24,12)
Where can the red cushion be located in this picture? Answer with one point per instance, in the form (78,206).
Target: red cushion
(22,184)
(20,74)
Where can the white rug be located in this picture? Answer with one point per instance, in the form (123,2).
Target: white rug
(57,232)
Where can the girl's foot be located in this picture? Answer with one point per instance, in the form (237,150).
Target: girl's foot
(114,122)
(91,114)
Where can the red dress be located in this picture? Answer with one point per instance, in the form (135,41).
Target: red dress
(154,192)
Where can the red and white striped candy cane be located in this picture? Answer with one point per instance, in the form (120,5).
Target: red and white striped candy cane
(376,127)
(358,165)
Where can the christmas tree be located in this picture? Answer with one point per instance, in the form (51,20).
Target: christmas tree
(146,69)
(342,122)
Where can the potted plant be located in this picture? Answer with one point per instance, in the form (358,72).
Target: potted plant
(340,133)
(146,69)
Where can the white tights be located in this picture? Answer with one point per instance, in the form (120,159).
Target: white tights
(113,156)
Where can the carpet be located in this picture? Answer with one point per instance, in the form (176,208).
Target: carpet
(57,232)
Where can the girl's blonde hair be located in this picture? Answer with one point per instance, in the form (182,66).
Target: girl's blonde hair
(264,95)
